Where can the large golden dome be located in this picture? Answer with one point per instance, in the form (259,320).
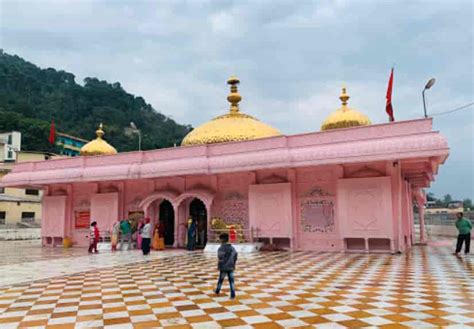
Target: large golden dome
(98,146)
(231,127)
(344,116)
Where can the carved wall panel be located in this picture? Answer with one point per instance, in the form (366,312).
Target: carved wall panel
(365,207)
(233,208)
(270,209)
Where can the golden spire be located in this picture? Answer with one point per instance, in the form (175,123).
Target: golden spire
(230,127)
(99,132)
(345,117)
(344,98)
(98,146)
(234,97)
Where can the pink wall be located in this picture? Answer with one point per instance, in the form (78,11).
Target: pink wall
(270,210)
(365,208)
(53,217)
(313,207)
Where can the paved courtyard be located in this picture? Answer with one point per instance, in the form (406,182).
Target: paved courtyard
(427,287)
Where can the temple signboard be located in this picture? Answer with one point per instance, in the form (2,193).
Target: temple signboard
(82,219)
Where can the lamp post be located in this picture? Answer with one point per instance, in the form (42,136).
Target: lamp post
(428,85)
(139,133)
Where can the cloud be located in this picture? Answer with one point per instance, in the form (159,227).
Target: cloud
(292,58)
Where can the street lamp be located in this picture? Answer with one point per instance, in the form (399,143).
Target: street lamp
(428,85)
(139,133)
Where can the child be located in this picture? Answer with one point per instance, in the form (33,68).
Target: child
(93,237)
(227,257)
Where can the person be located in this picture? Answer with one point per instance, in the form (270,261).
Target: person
(191,234)
(227,258)
(115,235)
(464,227)
(201,228)
(139,235)
(146,237)
(93,238)
(126,234)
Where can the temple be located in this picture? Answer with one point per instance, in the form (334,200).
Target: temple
(349,187)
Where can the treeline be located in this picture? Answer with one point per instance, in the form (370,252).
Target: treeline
(30,97)
(446,200)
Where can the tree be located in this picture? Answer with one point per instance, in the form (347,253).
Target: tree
(30,97)
(447,199)
(467,204)
(430,197)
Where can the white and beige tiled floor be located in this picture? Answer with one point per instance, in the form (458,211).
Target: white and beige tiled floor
(425,288)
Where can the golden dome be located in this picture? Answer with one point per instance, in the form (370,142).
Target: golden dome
(345,117)
(98,146)
(231,127)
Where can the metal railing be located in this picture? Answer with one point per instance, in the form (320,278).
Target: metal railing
(235,235)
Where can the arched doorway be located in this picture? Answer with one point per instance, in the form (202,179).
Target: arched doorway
(198,212)
(166,216)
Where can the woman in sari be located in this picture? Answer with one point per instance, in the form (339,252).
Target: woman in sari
(115,235)
(191,234)
(158,237)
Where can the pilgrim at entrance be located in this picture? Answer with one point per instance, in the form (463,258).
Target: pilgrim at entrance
(198,212)
(167,219)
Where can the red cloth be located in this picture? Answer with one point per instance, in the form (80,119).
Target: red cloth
(388,106)
(96,233)
(52,133)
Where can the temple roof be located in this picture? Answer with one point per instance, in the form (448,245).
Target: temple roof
(231,127)
(98,146)
(345,117)
(413,144)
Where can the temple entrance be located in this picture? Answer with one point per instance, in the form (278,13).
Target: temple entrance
(198,212)
(167,219)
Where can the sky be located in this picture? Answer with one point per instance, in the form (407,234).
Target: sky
(292,58)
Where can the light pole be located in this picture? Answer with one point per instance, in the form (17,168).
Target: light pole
(139,133)
(428,85)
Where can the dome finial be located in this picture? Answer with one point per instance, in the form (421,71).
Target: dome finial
(99,132)
(234,97)
(344,97)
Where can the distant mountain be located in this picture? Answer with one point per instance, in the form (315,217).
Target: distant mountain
(30,97)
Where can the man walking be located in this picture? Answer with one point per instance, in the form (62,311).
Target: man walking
(464,227)
(227,257)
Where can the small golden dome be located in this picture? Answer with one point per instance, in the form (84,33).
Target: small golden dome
(345,117)
(98,146)
(231,127)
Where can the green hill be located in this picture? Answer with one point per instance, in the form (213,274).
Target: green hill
(30,96)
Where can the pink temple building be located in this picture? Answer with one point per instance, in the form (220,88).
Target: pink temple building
(351,186)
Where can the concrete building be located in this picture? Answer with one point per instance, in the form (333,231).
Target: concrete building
(349,187)
(69,145)
(19,206)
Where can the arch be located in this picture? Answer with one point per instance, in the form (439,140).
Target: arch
(166,195)
(205,196)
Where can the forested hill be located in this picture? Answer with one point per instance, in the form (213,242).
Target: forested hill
(30,96)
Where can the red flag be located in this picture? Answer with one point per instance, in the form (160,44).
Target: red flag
(52,133)
(388,106)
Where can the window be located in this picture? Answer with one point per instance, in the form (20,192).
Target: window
(9,154)
(9,140)
(2,190)
(27,217)
(31,192)
(3,215)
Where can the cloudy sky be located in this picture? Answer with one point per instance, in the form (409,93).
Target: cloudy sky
(292,57)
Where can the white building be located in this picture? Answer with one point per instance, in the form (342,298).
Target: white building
(11,144)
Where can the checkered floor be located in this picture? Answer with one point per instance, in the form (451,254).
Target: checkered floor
(427,287)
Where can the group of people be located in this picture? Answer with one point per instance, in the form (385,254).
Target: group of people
(146,236)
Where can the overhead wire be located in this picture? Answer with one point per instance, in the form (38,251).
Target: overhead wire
(454,110)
